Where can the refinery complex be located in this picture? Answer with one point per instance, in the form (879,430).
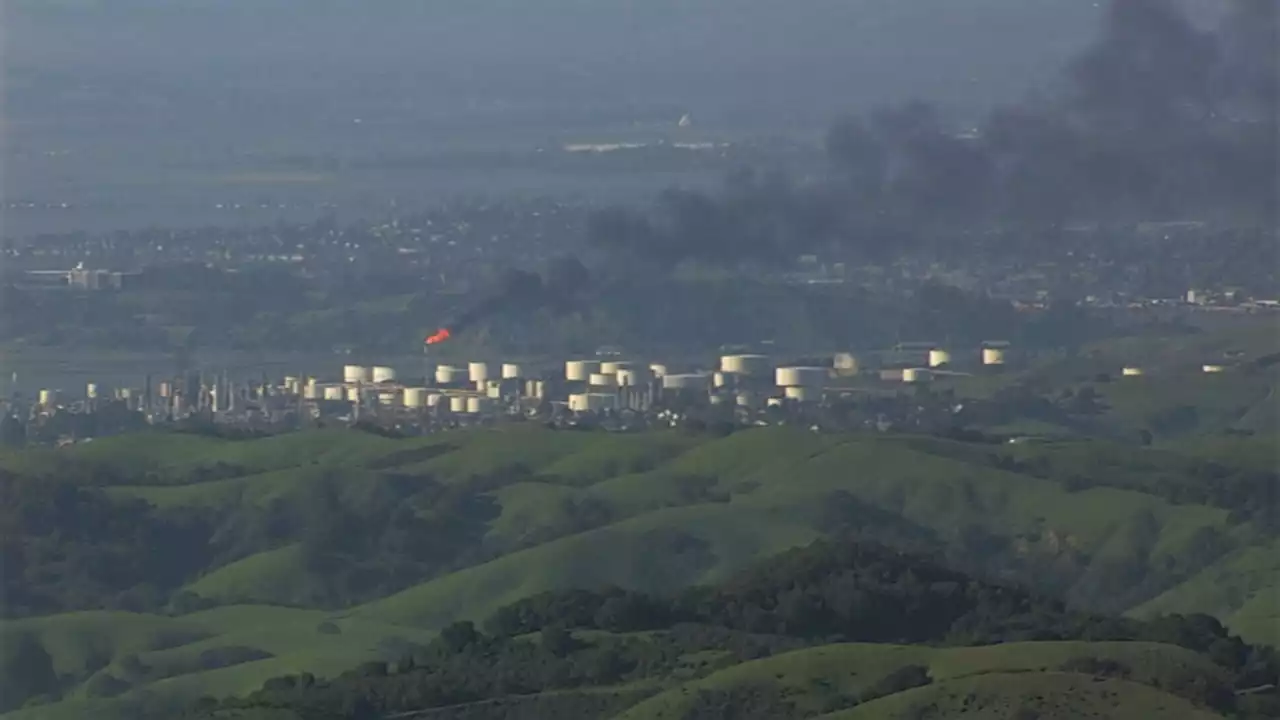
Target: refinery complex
(449,395)
(477,389)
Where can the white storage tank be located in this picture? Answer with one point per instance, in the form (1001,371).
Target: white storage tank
(633,377)
(602,380)
(165,389)
(512,371)
(1213,369)
(580,370)
(493,392)
(687,381)
(355,374)
(591,402)
(611,367)
(745,364)
(333,392)
(353,395)
(938,358)
(434,399)
(415,397)
(477,404)
(383,374)
(846,363)
(719,379)
(801,376)
(48,398)
(992,356)
(912,375)
(803,393)
(457,403)
(535,389)
(658,369)
(91,391)
(448,375)
(310,392)
(1131,371)
(478,371)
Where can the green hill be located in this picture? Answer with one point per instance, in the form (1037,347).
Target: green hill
(251,545)
(816,678)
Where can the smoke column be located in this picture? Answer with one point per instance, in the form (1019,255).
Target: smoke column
(1156,119)
(564,279)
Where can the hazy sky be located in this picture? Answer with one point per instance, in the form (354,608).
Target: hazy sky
(719,56)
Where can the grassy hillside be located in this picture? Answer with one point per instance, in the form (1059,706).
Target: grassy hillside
(418,533)
(815,678)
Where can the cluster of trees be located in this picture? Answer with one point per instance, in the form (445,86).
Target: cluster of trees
(68,544)
(70,547)
(1157,119)
(1248,492)
(827,592)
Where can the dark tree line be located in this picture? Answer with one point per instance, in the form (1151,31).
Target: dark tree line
(829,591)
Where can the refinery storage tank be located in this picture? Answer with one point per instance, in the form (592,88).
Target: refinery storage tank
(512,371)
(719,379)
(535,389)
(803,393)
(845,363)
(91,391)
(611,367)
(477,405)
(383,374)
(688,381)
(938,358)
(478,371)
(333,392)
(1131,371)
(601,380)
(434,399)
(457,403)
(911,375)
(633,377)
(580,370)
(310,392)
(353,395)
(355,374)
(992,356)
(415,397)
(48,397)
(801,376)
(591,402)
(658,369)
(745,364)
(448,375)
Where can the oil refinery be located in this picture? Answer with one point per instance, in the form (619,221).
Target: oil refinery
(754,387)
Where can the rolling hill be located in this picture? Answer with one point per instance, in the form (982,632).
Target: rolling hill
(325,549)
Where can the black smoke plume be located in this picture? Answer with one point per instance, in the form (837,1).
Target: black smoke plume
(558,289)
(1157,119)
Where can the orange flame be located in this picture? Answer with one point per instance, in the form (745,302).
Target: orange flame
(440,336)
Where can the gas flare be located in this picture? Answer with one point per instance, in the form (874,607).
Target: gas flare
(440,336)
